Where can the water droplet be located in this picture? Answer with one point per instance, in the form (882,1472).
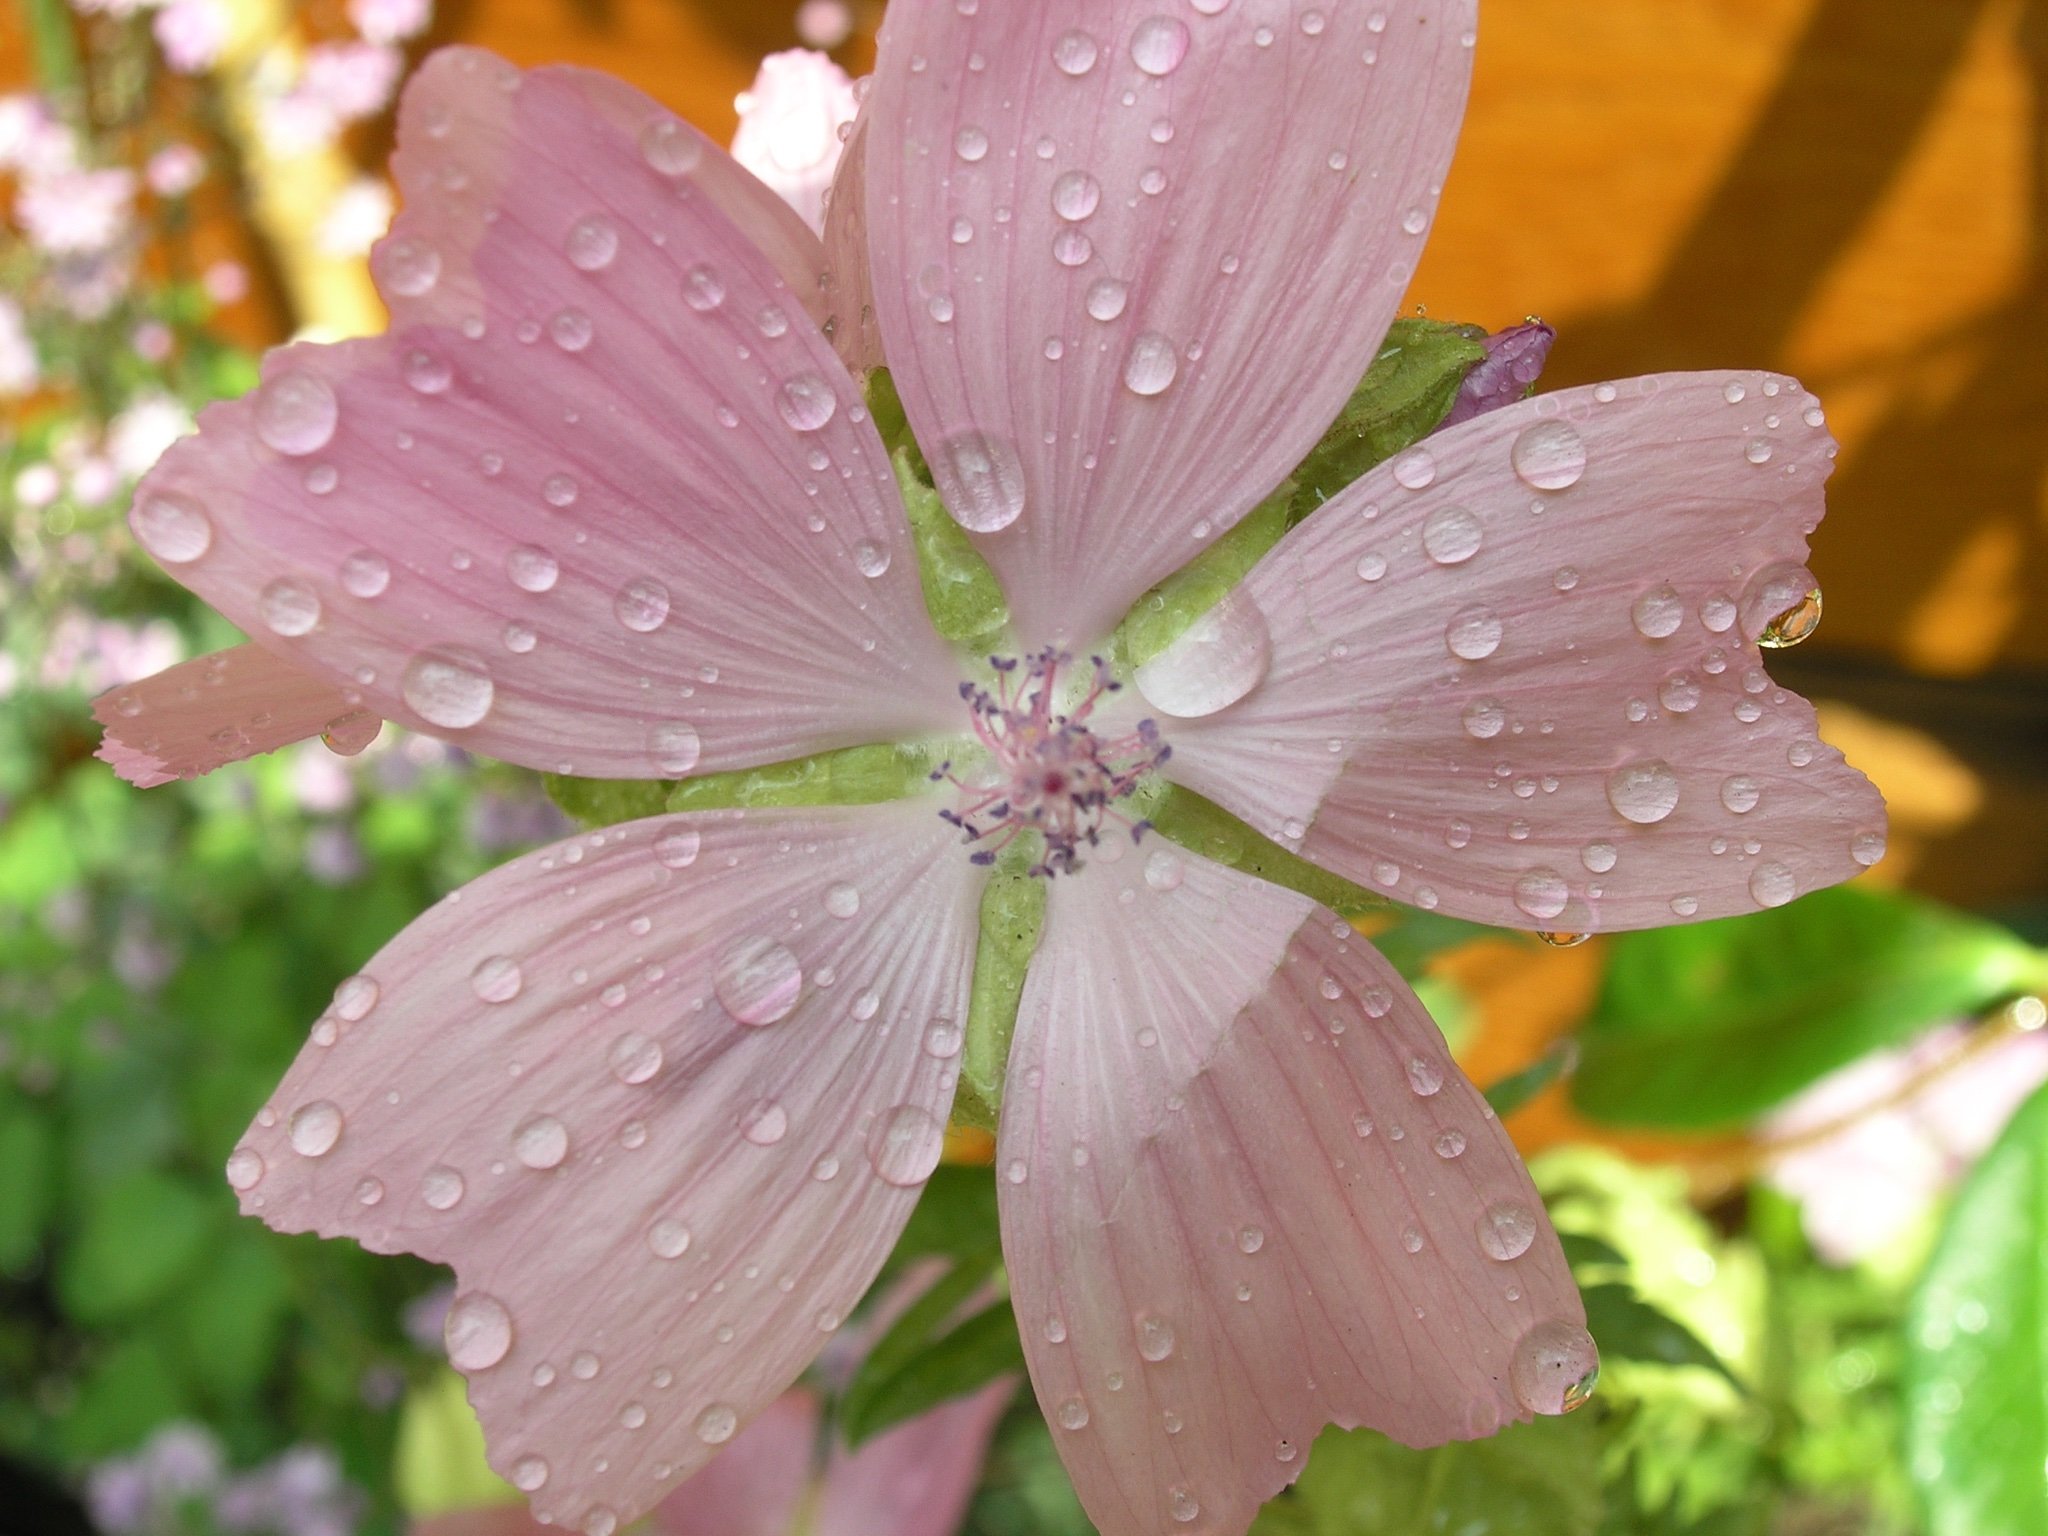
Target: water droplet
(442,1187)
(668,1238)
(496,979)
(315,1128)
(1680,693)
(1424,1076)
(1740,793)
(1164,869)
(592,243)
(1506,1231)
(365,574)
(670,147)
(904,1145)
(1644,792)
(245,1168)
(1658,613)
(571,330)
(1449,1144)
(1473,634)
(807,402)
(296,413)
(1215,662)
(1372,565)
(1866,848)
(1781,606)
(717,1424)
(541,1142)
(1542,893)
(678,849)
(289,607)
(1250,1240)
(675,747)
(559,491)
(599,1521)
(970,144)
(447,688)
(870,559)
(642,605)
(428,374)
(1155,1338)
(1485,719)
(1555,1368)
(478,1331)
(1159,44)
(983,482)
(1757,450)
(1549,456)
(1415,469)
(758,981)
(764,1122)
(172,528)
(1151,364)
(1106,298)
(407,267)
(1560,940)
(1183,1505)
(1451,536)
(529,1474)
(369,1190)
(1075,53)
(584,1366)
(635,1058)
(1772,884)
(943,1040)
(532,568)
(1073,1413)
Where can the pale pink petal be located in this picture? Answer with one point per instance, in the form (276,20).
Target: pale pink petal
(756,1485)
(1514,674)
(1246,1192)
(498,1520)
(603,501)
(662,1095)
(849,285)
(916,1478)
(791,123)
(1131,258)
(192,718)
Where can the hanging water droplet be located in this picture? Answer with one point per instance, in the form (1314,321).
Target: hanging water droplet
(1560,940)
(757,980)
(1554,1368)
(1214,663)
(478,1331)
(1781,606)
(1549,456)
(1644,792)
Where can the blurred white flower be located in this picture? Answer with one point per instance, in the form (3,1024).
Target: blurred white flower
(192,33)
(32,140)
(790,122)
(390,21)
(19,371)
(138,436)
(174,170)
(37,485)
(357,218)
(75,212)
(352,80)
(1872,1151)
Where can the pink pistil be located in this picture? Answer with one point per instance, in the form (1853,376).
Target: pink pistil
(1052,774)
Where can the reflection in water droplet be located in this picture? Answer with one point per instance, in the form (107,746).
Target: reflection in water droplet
(1772,884)
(1781,606)
(1451,536)
(670,148)
(1075,53)
(1542,893)
(1216,661)
(1658,613)
(1559,940)
(677,849)
(1473,634)
(592,242)
(635,1058)
(716,1424)
(442,1187)
(1155,1338)
(807,402)
(642,605)
(1506,1231)
(478,1331)
(1555,1368)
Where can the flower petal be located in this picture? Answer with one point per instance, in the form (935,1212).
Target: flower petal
(662,1095)
(1246,1192)
(849,285)
(914,1479)
(756,1485)
(1514,674)
(603,501)
(192,718)
(1129,264)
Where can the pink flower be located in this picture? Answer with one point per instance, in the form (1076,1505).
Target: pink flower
(192,33)
(174,170)
(604,501)
(352,80)
(74,212)
(390,21)
(791,124)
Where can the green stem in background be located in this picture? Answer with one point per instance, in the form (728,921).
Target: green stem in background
(1012,914)
(54,47)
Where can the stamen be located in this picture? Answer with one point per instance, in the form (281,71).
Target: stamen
(1053,775)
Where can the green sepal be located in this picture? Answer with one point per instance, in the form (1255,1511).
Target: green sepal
(1202,826)
(928,1357)
(848,776)
(1404,396)
(1012,913)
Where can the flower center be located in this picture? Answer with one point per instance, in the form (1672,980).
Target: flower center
(1048,771)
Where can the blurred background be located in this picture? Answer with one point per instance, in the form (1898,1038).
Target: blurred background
(1816,1279)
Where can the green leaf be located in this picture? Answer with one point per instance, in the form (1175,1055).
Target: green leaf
(1183,816)
(955,1217)
(125,1394)
(1977,1346)
(140,1236)
(1581,1251)
(28,1166)
(438,1464)
(1629,1328)
(846,776)
(961,593)
(1510,1093)
(230,1316)
(1535,1479)
(925,1358)
(1012,912)
(1712,1024)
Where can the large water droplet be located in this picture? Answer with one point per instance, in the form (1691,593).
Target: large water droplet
(1781,606)
(675,746)
(668,1238)
(1159,44)
(365,574)
(1075,53)
(245,1168)
(842,900)
(1740,793)
(807,402)
(1073,1413)
(1473,634)
(1549,456)
(496,979)
(176,530)
(1485,719)
(478,1331)
(642,605)
(1555,1368)
(971,144)
(757,980)
(1155,1337)
(1644,792)
(1075,195)
(541,1142)
(1772,884)
(1182,1504)
(532,568)
(1216,661)
(289,607)
(635,1058)
(592,242)
(355,997)
(1151,364)
(529,1474)
(670,147)
(409,268)
(1658,613)
(904,1145)
(764,1122)
(296,413)
(448,688)
(1415,470)
(1506,1231)
(442,1187)
(716,1424)
(983,482)
(315,1128)
(1451,536)
(1542,893)
(703,289)
(677,849)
